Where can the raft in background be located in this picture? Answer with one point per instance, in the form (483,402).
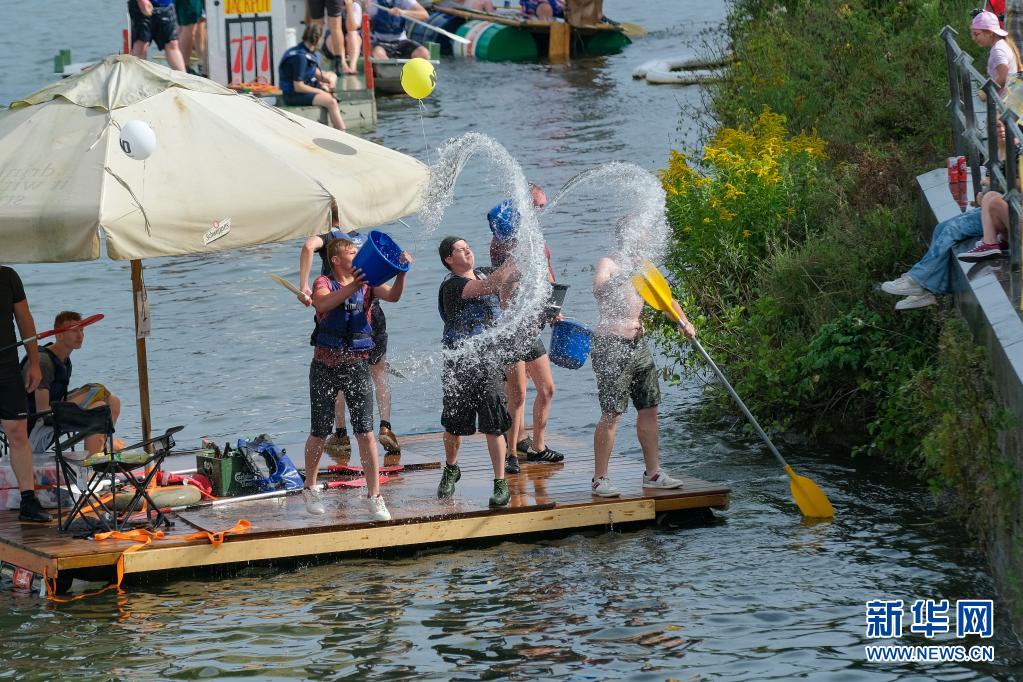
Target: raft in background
(682,70)
(501,37)
(545,498)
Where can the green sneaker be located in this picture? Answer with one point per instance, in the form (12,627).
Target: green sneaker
(501,493)
(448,479)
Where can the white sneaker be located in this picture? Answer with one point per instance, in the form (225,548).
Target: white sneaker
(377,508)
(313,501)
(602,487)
(919,301)
(660,480)
(903,286)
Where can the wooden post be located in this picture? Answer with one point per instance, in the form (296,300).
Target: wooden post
(140,352)
(560,42)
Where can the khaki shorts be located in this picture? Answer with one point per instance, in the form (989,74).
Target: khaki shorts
(625,369)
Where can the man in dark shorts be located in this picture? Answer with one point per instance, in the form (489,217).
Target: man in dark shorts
(625,369)
(13,399)
(530,361)
(155,21)
(332,13)
(343,303)
(469,304)
(338,443)
(189,16)
(388,20)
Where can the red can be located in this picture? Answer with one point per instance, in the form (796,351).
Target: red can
(961,169)
(952,166)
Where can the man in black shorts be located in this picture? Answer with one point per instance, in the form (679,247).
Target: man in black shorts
(331,12)
(469,304)
(13,398)
(388,38)
(338,443)
(155,21)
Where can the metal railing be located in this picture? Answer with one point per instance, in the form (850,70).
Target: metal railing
(977,142)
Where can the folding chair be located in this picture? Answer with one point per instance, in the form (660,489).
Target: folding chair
(76,423)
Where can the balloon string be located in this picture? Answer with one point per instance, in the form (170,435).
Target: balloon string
(422,122)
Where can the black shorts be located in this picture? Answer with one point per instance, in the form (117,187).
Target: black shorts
(161,27)
(298,99)
(334,8)
(324,384)
(520,350)
(13,400)
(474,394)
(400,49)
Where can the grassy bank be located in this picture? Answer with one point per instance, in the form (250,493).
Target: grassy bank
(798,204)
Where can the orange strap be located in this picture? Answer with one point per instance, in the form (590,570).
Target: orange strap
(143,538)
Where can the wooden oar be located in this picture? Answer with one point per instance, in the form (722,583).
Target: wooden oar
(290,287)
(812,501)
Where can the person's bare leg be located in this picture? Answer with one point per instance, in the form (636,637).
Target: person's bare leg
(336,41)
(495,444)
(378,52)
(544,12)
(515,390)
(339,410)
(370,462)
(421,52)
(451,443)
(200,42)
(333,112)
(186,38)
(382,386)
(649,439)
(354,49)
(139,49)
(172,52)
(603,442)
(313,451)
(994,217)
(539,371)
(21,452)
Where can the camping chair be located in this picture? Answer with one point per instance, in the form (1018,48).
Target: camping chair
(77,423)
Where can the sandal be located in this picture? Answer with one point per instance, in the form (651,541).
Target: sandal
(545,456)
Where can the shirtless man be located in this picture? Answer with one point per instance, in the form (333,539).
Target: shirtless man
(625,369)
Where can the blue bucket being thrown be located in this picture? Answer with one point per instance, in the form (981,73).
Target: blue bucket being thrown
(379,259)
(570,344)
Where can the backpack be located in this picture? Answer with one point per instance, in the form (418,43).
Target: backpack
(267,469)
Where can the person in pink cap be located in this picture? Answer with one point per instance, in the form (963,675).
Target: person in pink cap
(1003,61)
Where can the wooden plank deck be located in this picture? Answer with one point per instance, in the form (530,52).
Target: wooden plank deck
(545,497)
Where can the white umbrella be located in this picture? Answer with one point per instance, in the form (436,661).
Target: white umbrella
(227,171)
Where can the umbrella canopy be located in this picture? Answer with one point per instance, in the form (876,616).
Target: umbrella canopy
(225,166)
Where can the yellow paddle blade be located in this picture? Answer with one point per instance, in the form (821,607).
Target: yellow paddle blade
(810,499)
(654,289)
(632,30)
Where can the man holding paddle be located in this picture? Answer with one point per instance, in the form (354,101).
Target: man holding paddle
(625,368)
(13,404)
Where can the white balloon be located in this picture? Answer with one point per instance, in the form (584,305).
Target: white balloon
(137,140)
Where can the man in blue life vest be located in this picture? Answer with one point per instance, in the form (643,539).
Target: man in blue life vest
(155,21)
(13,407)
(338,444)
(55,366)
(388,20)
(303,83)
(344,340)
(469,304)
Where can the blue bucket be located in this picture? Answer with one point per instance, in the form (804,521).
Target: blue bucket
(570,344)
(379,259)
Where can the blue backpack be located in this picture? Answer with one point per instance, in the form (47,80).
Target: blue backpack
(270,469)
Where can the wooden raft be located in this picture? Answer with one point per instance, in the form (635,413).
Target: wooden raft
(545,497)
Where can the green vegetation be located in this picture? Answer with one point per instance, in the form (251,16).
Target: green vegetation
(799,204)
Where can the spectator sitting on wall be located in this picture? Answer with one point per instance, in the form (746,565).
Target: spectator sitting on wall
(302,82)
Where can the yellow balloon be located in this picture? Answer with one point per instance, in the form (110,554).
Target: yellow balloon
(418,78)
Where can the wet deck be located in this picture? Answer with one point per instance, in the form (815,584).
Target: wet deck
(545,498)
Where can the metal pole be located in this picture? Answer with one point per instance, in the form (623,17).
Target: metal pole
(948,35)
(991,91)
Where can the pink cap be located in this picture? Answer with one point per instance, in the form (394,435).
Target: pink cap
(987,21)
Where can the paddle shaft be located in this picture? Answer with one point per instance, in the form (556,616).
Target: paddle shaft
(53,332)
(431,27)
(742,406)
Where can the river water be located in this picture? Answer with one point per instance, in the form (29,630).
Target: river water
(755,594)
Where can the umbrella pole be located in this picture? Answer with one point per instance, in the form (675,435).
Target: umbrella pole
(140,352)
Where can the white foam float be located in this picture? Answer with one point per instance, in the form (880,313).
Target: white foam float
(681,70)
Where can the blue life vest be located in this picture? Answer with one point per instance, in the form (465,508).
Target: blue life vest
(386,26)
(310,63)
(347,326)
(354,237)
(475,316)
(58,387)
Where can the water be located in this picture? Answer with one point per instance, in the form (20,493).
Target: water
(757,594)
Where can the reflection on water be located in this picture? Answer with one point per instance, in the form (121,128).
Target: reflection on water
(755,595)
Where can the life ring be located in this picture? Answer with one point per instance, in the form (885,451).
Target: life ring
(681,70)
(169,496)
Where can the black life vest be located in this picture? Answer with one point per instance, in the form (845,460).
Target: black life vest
(474,317)
(58,387)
